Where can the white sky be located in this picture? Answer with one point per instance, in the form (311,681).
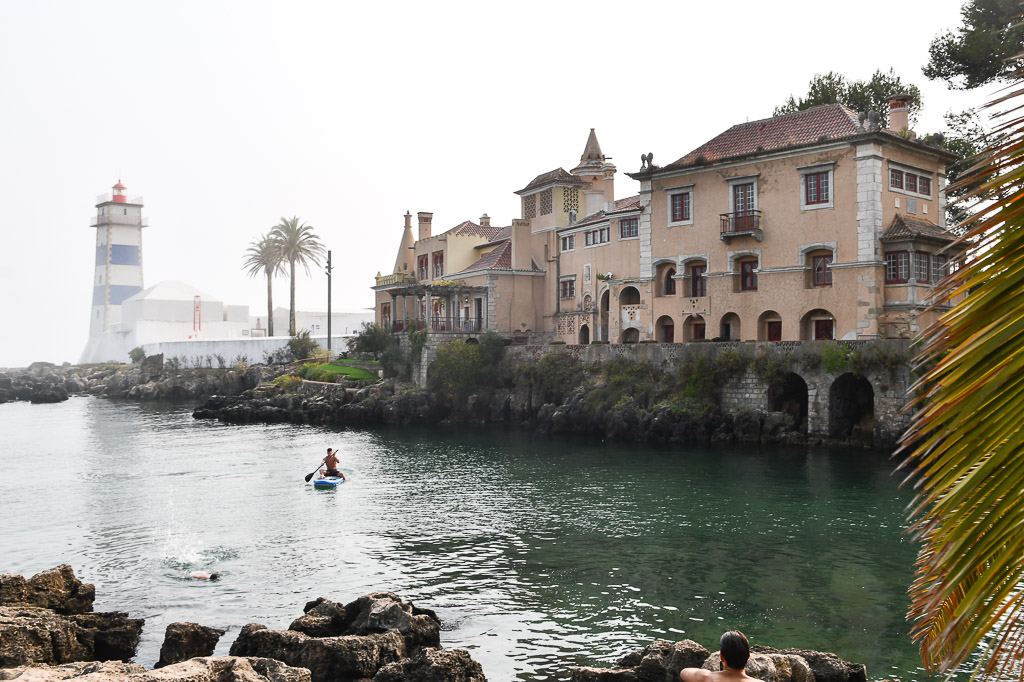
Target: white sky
(227,116)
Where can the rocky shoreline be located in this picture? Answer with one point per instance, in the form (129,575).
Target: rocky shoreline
(387,403)
(48,632)
(44,382)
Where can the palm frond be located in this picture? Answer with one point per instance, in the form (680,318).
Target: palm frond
(263,257)
(298,243)
(965,446)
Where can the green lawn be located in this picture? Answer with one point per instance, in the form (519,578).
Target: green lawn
(350,372)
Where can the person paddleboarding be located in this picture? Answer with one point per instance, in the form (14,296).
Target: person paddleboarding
(331,464)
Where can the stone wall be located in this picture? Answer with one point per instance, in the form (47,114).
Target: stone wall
(882,366)
(251,350)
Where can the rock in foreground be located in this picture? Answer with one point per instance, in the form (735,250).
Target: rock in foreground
(376,637)
(183,641)
(663,660)
(48,618)
(222,669)
(57,589)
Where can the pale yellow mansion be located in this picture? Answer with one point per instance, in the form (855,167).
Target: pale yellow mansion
(813,225)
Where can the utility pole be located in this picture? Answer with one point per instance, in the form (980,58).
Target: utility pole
(329,268)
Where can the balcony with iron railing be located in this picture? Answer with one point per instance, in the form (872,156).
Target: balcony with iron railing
(741,224)
(136,221)
(396,278)
(452,325)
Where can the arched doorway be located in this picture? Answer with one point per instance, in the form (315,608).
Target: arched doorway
(605,307)
(769,326)
(472,341)
(818,325)
(729,329)
(789,395)
(851,409)
(584,334)
(694,328)
(631,335)
(665,330)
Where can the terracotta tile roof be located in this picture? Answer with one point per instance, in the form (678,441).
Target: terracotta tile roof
(502,234)
(558,176)
(469,227)
(620,205)
(498,259)
(799,128)
(627,203)
(904,228)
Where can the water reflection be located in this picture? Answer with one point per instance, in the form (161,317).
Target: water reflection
(538,553)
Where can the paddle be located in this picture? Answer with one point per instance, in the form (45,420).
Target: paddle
(310,475)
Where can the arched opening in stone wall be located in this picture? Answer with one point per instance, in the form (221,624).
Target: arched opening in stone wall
(584,334)
(851,409)
(472,341)
(629,296)
(605,306)
(631,335)
(789,395)
(665,330)
(729,328)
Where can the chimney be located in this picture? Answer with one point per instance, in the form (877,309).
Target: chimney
(424,219)
(485,220)
(521,245)
(899,112)
(609,187)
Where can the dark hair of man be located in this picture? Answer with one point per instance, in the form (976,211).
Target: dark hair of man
(735,648)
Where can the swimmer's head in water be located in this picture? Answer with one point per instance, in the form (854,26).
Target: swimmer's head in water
(735,648)
(215,576)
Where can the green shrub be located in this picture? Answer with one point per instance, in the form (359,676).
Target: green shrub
(492,352)
(626,382)
(288,383)
(137,355)
(456,371)
(552,378)
(393,362)
(417,340)
(836,358)
(767,368)
(372,338)
(301,346)
(733,362)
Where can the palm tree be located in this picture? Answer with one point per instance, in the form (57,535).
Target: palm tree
(298,244)
(965,447)
(264,257)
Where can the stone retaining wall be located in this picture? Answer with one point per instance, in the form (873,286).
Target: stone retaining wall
(890,379)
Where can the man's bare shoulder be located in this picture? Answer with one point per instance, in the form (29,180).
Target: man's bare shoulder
(696,675)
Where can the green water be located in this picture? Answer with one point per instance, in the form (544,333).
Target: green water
(538,553)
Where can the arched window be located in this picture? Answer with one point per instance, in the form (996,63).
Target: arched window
(670,282)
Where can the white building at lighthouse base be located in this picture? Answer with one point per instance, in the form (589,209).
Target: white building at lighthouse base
(183,322)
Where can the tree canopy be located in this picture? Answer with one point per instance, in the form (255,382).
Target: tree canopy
(263,257)
(859,95)
(982,48)
(298,244)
